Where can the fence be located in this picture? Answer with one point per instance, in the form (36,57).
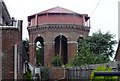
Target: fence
(78,73)
(82,72)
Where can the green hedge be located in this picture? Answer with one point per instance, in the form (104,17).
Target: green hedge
(103,78)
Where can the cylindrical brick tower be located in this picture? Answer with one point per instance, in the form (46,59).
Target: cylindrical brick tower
(58,30)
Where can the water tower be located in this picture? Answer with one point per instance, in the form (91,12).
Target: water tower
(57,29)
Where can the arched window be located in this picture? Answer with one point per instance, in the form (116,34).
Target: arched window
(39,51)
(61,48)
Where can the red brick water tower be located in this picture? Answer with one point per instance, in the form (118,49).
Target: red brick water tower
(57,29)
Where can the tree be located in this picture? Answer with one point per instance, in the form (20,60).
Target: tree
(26,48)
(84,55)
(102,44)
(26,44)
(94,49)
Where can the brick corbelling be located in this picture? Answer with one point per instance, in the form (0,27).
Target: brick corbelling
(54,27)
(64,28)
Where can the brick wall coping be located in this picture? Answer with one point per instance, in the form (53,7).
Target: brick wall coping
(8,27)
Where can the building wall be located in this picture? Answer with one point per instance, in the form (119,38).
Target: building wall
(57,18)
(49,33)
(51,24)
(10,37)
(0,54)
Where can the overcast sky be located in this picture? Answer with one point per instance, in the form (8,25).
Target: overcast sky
(105,17)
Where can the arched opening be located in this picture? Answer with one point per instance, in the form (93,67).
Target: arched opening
(61,48)
(78,43)
(39,51)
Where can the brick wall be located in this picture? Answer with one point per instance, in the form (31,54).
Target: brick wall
(10,37)
(58,18)
(72,35)
(57,73)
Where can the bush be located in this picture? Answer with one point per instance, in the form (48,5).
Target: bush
(67,65)
(28,75)
(103,78)
(44,74)
(57,61)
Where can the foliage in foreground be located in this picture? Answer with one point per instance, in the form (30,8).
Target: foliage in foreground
(103,78)
(28,75)
(44,74)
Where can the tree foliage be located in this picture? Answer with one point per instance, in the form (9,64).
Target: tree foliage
(94,49)
(26,48)
(101,44)
(26,44)
(84,55)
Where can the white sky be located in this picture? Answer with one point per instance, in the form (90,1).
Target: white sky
(104,18)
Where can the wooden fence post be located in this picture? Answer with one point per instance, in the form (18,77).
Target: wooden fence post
(118,67)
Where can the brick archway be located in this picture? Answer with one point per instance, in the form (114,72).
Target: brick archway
(61,48)
(39,51)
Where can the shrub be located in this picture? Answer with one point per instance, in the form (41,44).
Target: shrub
(68,65)
(28,75)
(103,78)
(44,74)
(57,61)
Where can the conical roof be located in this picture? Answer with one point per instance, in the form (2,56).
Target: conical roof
(56,10)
